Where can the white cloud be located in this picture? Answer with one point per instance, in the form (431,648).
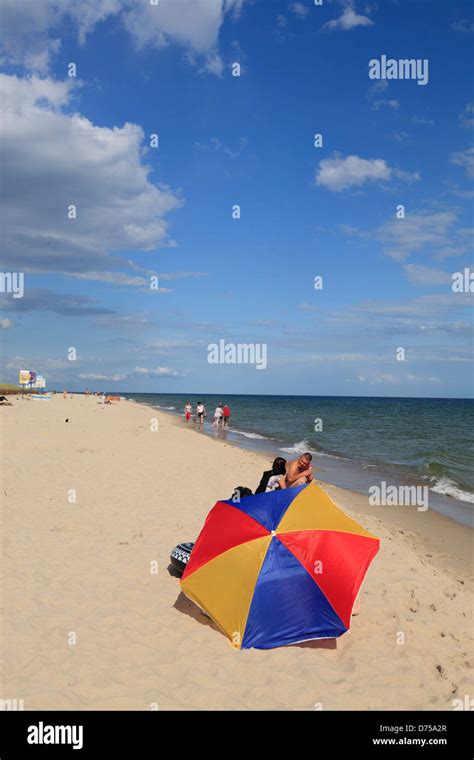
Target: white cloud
(387,378)
(216,144)
(423,121)
(180,275)
(158,372)
(465,158)
(422,275)
(463,25)
(378,104)
(15,363)
(122,321)
(167,345)
(5,324)
(339,173)
(20,362)
(117,278)
(98,169)
(429,232)
(299,9)
(380,86)
(193,24)
(213,64)
(108,378)
(349,19)
(406,176)
(31,29)
(467,116)
(339,357)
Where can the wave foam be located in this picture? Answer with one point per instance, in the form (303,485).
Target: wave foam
(253,435)
(448,487)
(298,448)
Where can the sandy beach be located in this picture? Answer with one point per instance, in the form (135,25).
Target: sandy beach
(89,506)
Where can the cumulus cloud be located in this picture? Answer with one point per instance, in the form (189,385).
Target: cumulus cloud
(31,30)
(5,324)
(53,159)
(339,173)
(349,19)
(194,24)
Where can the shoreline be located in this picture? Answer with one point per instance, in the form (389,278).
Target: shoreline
(400,516)
(84,568)
(339,472)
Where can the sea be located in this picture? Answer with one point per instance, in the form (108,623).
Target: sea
(356,443)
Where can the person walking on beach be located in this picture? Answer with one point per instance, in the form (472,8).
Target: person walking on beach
(298,472)
(226,415)
(188,410)
(218,415)
(201,412)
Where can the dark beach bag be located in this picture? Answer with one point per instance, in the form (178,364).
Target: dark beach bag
(180,555)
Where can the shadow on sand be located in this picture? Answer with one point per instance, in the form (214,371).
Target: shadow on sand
(187,607)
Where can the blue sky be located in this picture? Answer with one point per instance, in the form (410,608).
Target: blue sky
(248,140)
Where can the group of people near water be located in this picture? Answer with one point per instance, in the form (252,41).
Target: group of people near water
(221,414)
(284,474)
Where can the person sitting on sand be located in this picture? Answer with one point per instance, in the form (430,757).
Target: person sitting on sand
(298,472)
(271,478)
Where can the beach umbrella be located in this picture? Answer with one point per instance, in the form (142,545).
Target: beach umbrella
(279,568)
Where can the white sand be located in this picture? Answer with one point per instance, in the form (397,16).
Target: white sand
(85,568)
